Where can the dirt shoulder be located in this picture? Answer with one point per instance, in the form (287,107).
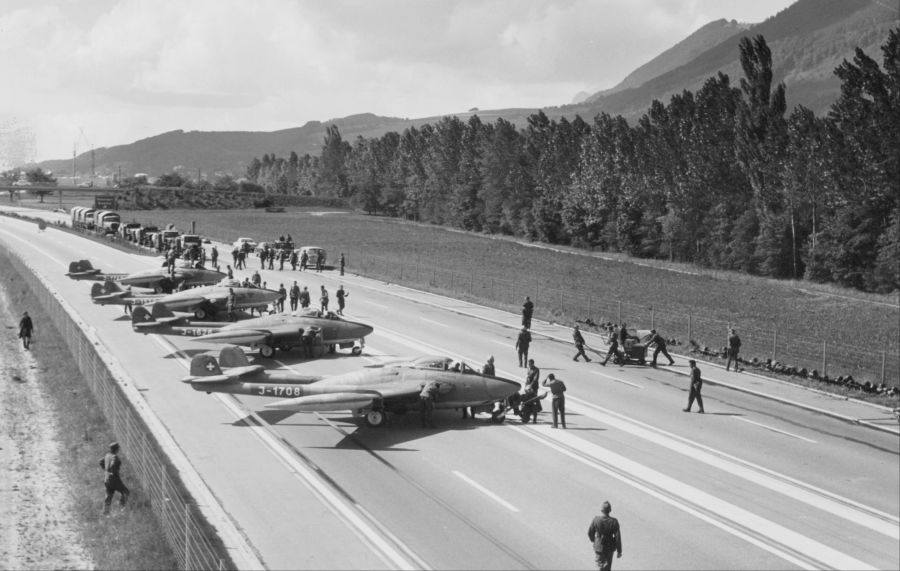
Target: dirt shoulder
(37,517)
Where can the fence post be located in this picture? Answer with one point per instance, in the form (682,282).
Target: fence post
(492,288)
(400,279)
(774,343)
(824,361)
(619,303)
(187,536)
(883,365)
(652,318)
(690,327)
(452,275)
(590,306)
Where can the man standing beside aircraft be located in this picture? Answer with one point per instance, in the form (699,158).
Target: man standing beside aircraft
(282,293)
(230,302)
(426,400)
(558,388)
(304,298)
(340,295)
(295,296)
(522,343)
(323,300)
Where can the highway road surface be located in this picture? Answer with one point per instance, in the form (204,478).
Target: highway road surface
(779,481)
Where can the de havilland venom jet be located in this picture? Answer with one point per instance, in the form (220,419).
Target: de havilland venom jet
(186,274)
(209,300)
(371,393)
(281,331)
(111,293)
(84,270)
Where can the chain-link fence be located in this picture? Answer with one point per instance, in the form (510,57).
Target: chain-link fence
(194,543)
(876,365)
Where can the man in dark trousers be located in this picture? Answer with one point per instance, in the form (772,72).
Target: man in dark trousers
(341,294)
(579,345)
(532,383)
(696,386)
(426,401)
(304,298)
(523,341)
(230,302)
(606,536)
(558,389)
(111,465)
(26,328)
(613,349)
(304,260)
(342,263)
(657,339)
(527,312)
(295,296)
(282,293)
(734,349)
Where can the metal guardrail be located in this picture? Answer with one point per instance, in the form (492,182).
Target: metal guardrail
(194,547)
(789,348)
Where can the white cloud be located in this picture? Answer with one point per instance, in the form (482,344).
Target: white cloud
(129,69)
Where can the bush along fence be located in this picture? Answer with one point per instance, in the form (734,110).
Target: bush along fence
(779,352)
(193,541)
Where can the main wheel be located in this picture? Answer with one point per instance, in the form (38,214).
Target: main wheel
(357,351)
(200,313)
(266,351)
(376,418)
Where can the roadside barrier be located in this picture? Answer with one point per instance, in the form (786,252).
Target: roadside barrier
(192,539)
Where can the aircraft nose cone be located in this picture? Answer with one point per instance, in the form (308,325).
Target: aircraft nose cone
(499,388)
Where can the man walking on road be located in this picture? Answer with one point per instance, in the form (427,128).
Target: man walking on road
(734,348)
(527,311)
(579,345)
(606,536)
(696,386)
(522,343)
(558,389)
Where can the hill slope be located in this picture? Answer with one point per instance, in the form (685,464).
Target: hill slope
(808,40)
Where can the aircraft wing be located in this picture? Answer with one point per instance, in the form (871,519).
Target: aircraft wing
(238,336)
(233,374)
(348,398)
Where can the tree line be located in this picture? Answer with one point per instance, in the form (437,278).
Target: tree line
(724,178)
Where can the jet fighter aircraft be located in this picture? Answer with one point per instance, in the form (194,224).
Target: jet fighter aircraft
(190,276)
(371,393)
(267,333)
(84,270)
(209,300)
(111,293)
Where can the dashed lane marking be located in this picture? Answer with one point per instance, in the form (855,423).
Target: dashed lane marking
(485,491)
(773,429)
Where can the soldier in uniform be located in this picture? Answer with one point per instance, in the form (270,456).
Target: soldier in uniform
(523,341)
(304,298)
(558,389)
(340,295)
(527,312)
(606,535)
(696,386)
(660,343)
(579,345)
(426,401)
(734,349)
(111,465)
(295,296)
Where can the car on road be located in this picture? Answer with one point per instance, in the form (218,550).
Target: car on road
(313,252)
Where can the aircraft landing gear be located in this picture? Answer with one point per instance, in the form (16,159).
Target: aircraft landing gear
(356,351)
(200,313)
(376,418)
(266,351)
(332,348)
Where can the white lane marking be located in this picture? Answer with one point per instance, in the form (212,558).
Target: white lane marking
(686,497)
(829,502)
(370,302)
(498,342)
(485,491)
(616,379)
(773,429)
(390,556)
(433,321)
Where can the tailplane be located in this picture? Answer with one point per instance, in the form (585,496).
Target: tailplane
(204,366)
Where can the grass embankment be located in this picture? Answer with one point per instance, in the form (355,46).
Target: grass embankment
(125,539)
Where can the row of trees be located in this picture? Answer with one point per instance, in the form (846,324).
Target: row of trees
(725,177)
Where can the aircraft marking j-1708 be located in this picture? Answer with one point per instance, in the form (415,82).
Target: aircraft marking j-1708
(267,333)
(372,392)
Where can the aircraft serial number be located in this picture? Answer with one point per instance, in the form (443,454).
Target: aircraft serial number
(279,391)
(197,332)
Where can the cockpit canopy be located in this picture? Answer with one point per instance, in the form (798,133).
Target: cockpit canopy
(442,364)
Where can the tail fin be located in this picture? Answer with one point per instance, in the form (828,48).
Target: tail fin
(232,357)
(111,287)
(80,266)
(97,289)
(159,311)
(204,366)
(140,315)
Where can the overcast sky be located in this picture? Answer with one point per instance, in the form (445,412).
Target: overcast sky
(83,73)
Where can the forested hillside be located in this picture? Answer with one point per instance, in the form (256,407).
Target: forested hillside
(724,177)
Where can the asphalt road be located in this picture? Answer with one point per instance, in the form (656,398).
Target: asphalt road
(754,483)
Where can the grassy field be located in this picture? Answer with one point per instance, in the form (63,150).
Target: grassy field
(813,325)
(127,539)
